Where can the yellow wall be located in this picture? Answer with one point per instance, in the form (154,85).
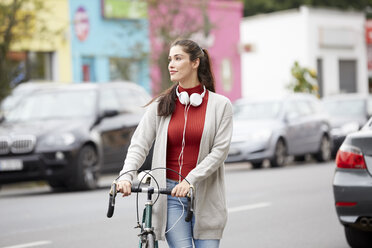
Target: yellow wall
(55,18)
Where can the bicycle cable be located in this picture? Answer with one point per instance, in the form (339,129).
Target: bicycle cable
(158,187)
(179,218)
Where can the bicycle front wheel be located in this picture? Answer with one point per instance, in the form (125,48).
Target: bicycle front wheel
(150,241)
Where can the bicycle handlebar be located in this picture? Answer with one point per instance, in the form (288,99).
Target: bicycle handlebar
(151,190)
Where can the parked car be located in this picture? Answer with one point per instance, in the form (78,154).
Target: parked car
(352,186)
(276,127)
(348,113)
(70,134)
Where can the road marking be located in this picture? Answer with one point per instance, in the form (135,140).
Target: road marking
(33,244)
(249,207)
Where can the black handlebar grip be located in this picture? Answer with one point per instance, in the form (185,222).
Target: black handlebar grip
(166,191)
(135,189)
(189,213)
(111,207)
(112,195)
(190,205)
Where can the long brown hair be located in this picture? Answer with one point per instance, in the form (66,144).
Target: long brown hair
(167,99)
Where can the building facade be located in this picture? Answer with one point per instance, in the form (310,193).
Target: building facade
(47,56)
(332,42)
(109,41)
(219,23)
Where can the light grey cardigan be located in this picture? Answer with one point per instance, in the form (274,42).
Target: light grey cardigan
(208,176)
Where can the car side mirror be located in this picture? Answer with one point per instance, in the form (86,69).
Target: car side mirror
(109,113)
(105,114)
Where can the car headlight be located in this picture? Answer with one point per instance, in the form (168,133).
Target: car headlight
(64,139)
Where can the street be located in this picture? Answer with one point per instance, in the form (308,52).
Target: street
(285,207)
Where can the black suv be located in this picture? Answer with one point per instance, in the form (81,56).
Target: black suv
(70,134)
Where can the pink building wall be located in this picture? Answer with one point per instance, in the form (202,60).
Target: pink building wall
(222,44)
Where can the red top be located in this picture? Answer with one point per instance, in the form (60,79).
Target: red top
(193,134)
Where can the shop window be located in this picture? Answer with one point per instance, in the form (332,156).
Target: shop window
(125,69)
(39,65)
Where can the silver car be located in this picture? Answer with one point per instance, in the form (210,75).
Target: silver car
(273,128)
(352,186)
(348,113)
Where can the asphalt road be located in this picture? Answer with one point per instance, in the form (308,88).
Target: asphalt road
(285,207)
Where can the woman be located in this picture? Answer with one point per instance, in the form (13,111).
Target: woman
(191,126)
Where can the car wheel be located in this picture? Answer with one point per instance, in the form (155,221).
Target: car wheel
(357,238)
(324,153)
(86,173)
(280,154)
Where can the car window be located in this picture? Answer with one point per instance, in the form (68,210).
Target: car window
(316,106)
(353,107)
(108,100)
(291,110)
(369,107)
(304,108)
(257,110)
(54,104)
(132,100)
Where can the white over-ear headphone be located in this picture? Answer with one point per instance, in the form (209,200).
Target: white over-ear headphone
(195,99)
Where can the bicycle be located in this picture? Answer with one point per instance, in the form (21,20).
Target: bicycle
(147,237)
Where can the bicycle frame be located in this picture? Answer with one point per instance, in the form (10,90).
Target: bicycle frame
(147,234)
(146,227)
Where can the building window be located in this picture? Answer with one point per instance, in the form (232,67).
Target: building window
(319,66)
(347,75)
(26,66)
(39,65)
(125,69)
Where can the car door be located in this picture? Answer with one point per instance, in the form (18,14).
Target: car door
(132,103)
(115,131)
(311,126)
(294,127)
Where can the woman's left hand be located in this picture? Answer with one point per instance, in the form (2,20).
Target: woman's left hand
(181,189)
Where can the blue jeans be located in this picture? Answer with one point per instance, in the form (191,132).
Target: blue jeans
(179,233)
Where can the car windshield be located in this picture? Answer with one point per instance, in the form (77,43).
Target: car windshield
(354,107)
(54,104)
(257,110)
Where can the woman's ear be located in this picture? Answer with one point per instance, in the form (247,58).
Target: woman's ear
(195,64)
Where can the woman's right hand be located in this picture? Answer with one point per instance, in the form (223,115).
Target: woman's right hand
(124,187)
